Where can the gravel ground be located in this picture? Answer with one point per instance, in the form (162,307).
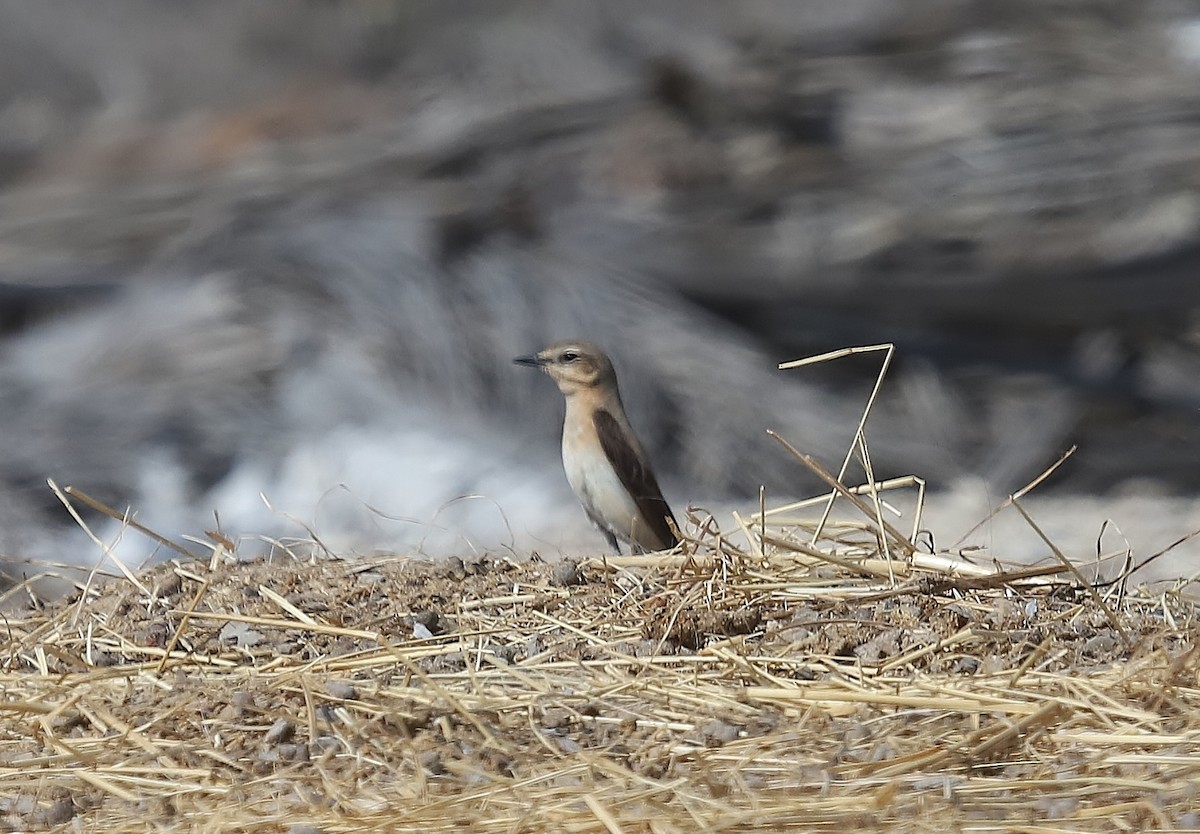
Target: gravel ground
(312,694)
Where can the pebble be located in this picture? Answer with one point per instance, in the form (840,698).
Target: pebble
(293,752)
(431,760)
(717,732)
(281,731)
(170,586)
(242,703)
(342,689)
(431,620)
(565,574)
(326,744)
(58,813)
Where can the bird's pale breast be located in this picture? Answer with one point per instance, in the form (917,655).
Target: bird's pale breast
(596,482)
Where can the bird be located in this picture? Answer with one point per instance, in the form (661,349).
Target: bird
(604,461)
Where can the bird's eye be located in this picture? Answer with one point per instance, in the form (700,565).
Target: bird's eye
(570,356)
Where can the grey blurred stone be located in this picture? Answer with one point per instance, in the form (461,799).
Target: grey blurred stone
(565,574)
(281,731)
(269,294)
(344,690)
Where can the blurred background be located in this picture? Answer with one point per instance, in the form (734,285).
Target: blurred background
(271,260)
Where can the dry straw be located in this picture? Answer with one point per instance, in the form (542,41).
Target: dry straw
(816,667)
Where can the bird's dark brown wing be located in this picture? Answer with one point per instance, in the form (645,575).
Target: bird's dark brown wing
(637,478)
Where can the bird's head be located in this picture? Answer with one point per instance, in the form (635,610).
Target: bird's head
(574,365)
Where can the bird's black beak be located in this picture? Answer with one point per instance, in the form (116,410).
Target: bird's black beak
(531,361)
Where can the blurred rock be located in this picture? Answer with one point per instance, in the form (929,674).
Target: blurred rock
(287,251)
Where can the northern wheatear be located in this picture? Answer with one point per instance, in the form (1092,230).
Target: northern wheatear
(605,463)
